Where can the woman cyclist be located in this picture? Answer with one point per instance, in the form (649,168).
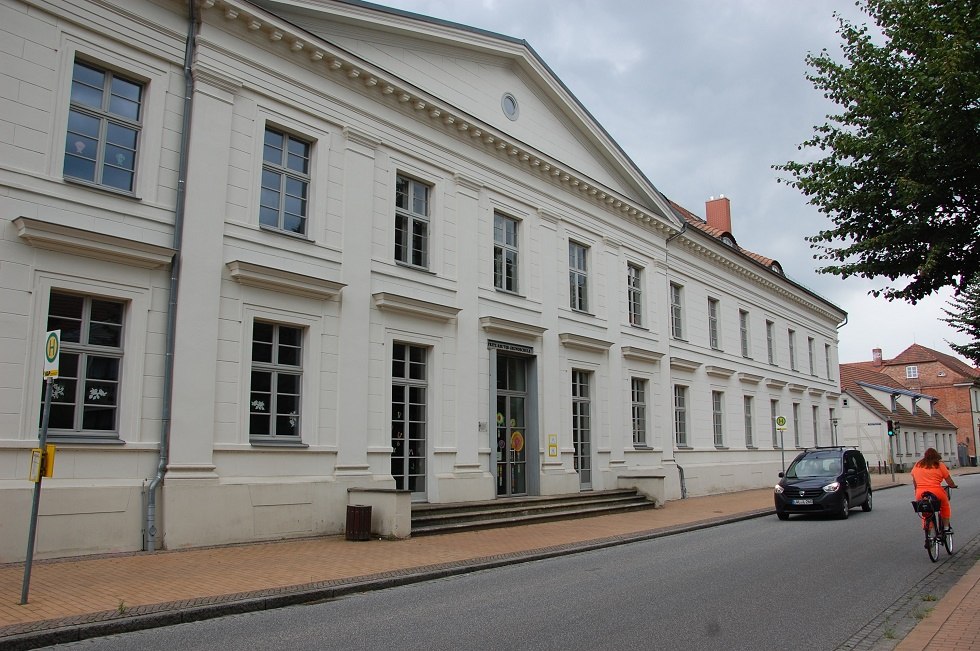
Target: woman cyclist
(928,474)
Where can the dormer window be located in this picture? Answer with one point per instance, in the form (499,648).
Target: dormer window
(727,239)
(776,268)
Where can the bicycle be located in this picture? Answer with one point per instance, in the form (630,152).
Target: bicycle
(928,509)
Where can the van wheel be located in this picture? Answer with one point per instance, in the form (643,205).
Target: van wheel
(845,507)
(782,515)
(867,503)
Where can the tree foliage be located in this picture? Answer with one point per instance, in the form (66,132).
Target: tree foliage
(897,169)
(965,318)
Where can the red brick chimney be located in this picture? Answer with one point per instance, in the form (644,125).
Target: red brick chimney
(719,213)
(876,357)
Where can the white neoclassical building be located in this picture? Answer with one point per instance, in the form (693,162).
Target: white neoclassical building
(299,247)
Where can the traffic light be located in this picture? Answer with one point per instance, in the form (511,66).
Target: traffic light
(891,428)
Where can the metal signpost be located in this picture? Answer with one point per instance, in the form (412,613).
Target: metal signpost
(42,460)
(781,428)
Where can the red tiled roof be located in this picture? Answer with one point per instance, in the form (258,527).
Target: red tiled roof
(852,374)
(702,225)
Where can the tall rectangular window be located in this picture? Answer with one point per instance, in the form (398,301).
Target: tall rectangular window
(826,359)
(680,415)
(833,426)
(582,425)
(634,293)
(774,414)
(770,341)
(796,424)
(85,395)
(718,417)
(578,276)
(505,253)
(409,416)
(411,222)
(676,312)
(638,390)
(714,338)
(276,383)
(747,410)
(743,331)
(104,124)
(791,335)
(809,354)
(816,427)
(285,182)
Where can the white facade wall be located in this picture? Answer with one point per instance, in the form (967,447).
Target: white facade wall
(340,285)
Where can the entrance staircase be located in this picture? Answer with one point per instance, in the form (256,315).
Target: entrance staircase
(430,519)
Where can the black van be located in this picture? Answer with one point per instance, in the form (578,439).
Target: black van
(824,480)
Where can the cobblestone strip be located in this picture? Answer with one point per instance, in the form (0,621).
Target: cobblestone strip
(893,624)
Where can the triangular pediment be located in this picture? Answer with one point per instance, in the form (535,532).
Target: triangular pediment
(472,70)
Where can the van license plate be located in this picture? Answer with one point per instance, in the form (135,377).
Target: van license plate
(802,502)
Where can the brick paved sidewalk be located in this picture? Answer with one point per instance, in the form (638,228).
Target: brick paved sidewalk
(89,596)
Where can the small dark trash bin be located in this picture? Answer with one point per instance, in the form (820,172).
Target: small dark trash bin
(358,522)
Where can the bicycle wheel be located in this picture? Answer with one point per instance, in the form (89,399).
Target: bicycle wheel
(932,539)
(948,542)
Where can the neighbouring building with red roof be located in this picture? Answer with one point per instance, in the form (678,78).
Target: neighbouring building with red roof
(953,382)
(871,400)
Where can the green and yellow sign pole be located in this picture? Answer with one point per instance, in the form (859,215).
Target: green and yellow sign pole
(42,458)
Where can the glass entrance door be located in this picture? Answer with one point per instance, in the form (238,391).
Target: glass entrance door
(511,425)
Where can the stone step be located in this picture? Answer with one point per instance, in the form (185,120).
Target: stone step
(444,518)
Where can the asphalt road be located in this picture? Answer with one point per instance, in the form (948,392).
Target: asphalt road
(758,584)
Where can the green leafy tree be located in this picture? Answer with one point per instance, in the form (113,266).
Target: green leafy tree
(965,318)
(897,169)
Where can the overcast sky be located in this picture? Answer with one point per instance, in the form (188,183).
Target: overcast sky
(705,96)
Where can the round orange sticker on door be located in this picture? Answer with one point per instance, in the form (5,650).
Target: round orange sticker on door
(517,441)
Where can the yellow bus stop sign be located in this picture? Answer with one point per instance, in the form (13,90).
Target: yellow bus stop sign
(52,353)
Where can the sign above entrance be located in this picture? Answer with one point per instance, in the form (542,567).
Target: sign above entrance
(510,348)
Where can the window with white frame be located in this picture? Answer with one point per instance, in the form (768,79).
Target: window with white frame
(412,222)
(770,341)
(578,276)
(774,414)
(680,415)
(85,395)
(809,354)
(791,335)
(714,338)
(409,416)
(505,253)
(676,311)
(638,391)
(104,124)
(718,417)
(911,372)
(796,424)
(634,293)
(826,359)
(816,427)
(749,431)
(743,331)
(276,382)
(285,182)
(582,423)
